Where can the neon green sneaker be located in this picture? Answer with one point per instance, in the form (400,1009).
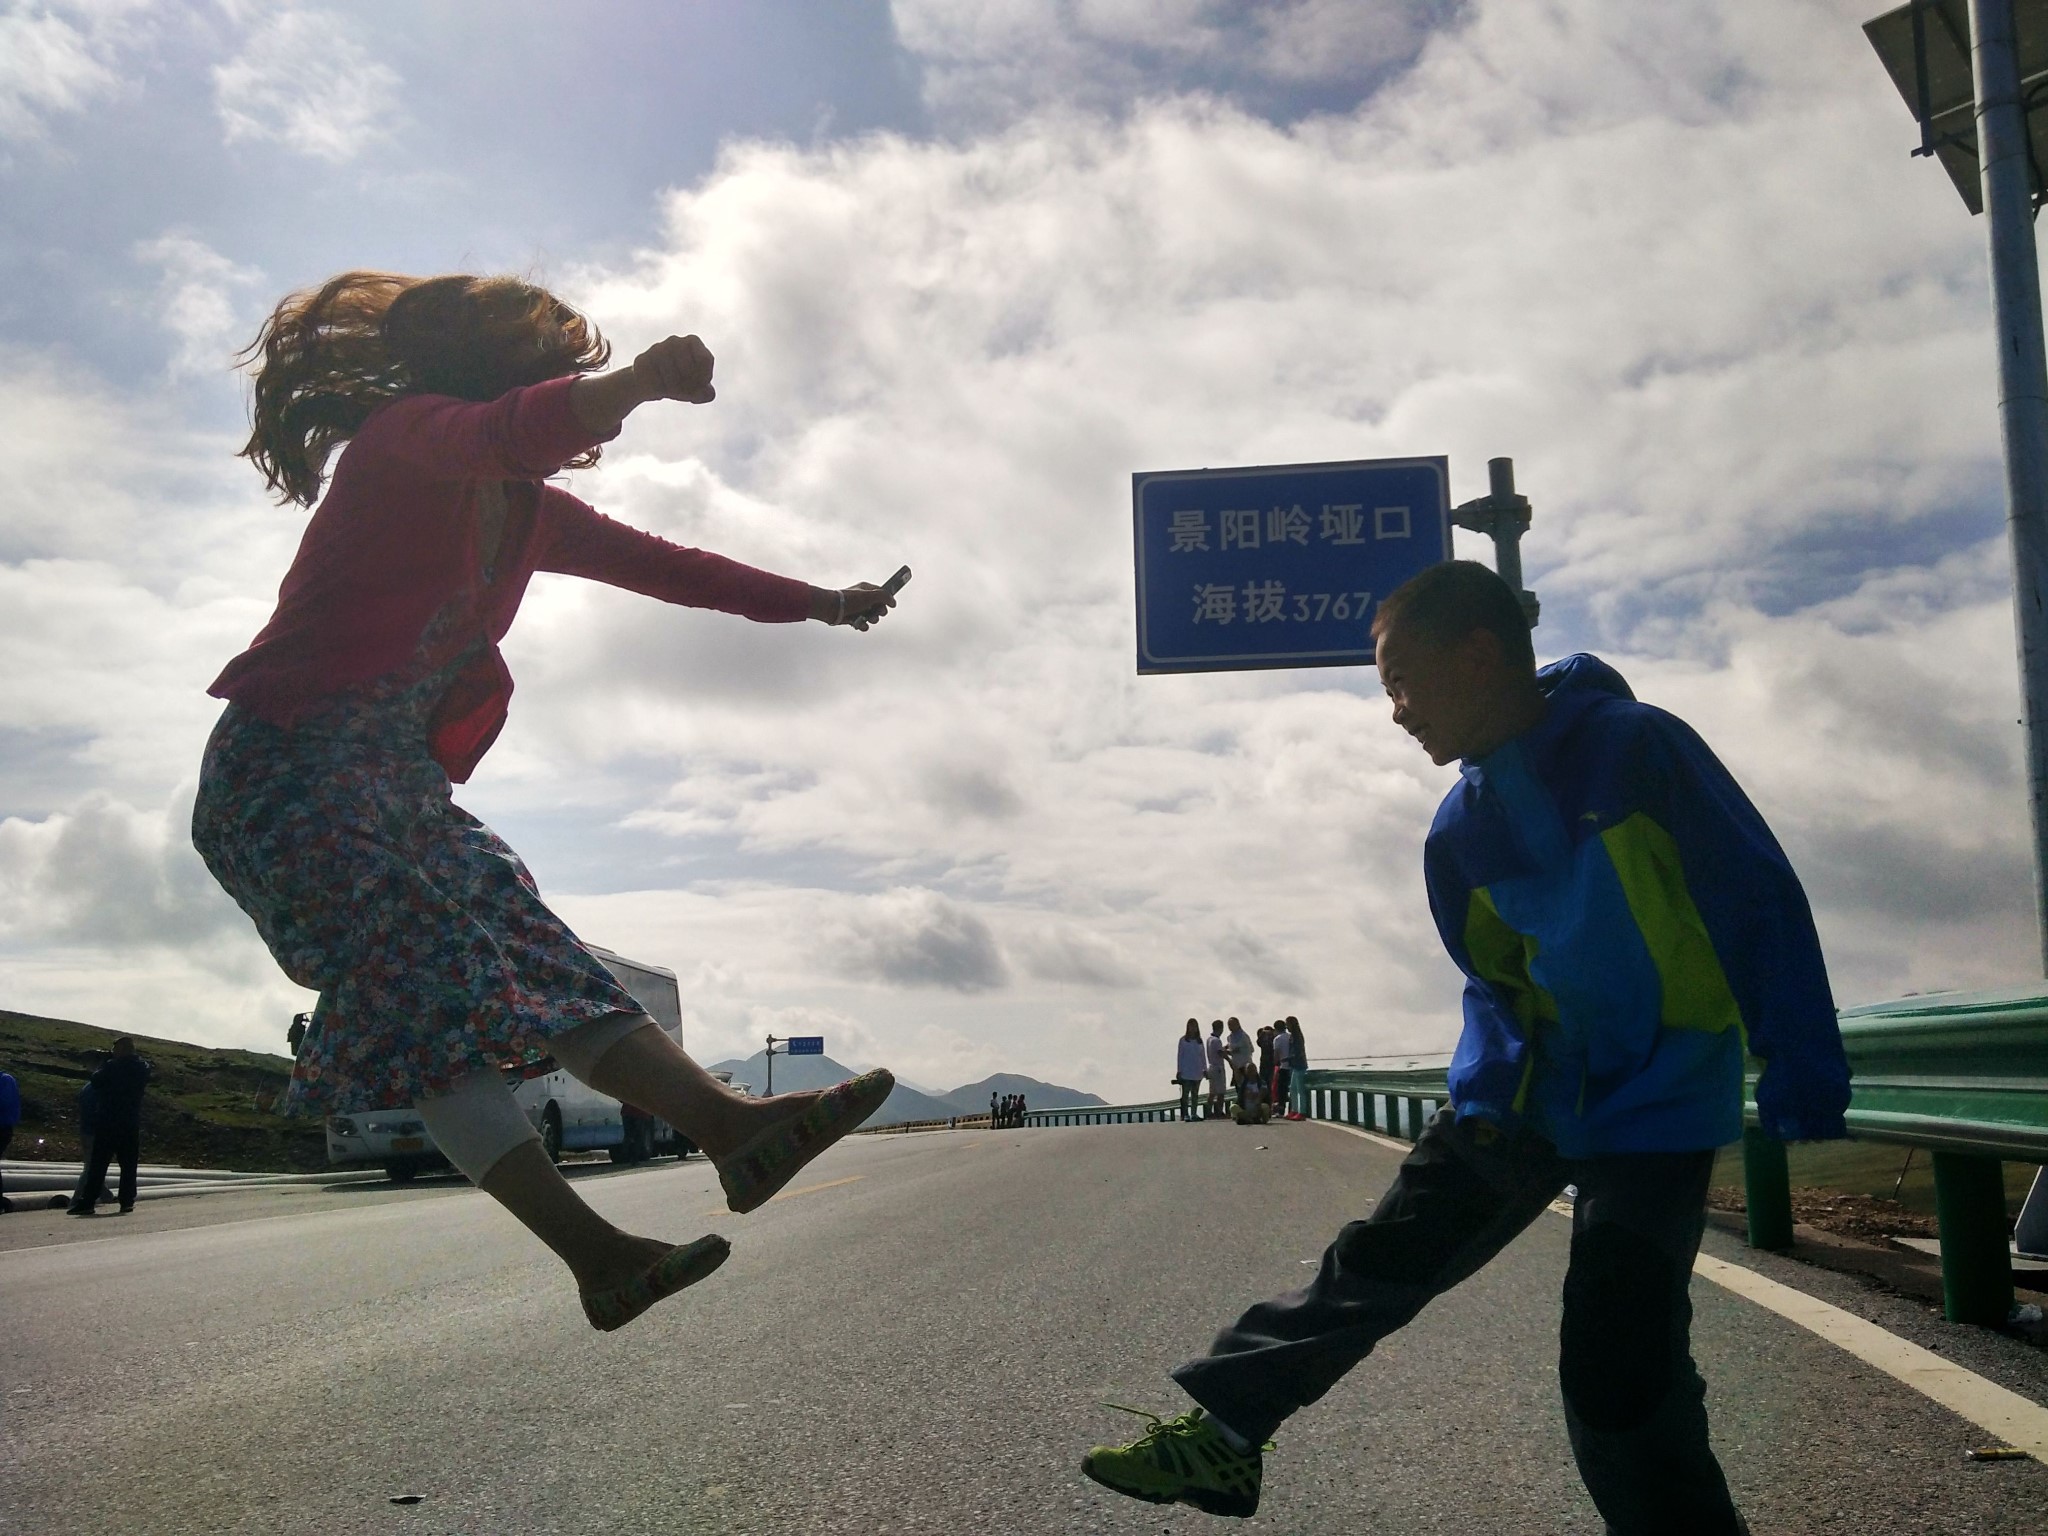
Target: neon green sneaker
(1180,1461)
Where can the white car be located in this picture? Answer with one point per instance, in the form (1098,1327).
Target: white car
(394,1138)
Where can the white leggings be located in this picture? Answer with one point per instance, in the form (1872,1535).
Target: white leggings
(478,1121)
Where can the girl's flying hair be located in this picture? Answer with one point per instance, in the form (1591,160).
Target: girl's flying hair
(331,355)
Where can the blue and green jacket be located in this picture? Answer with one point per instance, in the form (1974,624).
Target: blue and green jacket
(1628,928)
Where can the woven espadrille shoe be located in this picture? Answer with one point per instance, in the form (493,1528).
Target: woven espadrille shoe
(754,1173)
(679,1267)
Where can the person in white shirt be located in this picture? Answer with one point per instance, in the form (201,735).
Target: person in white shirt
(1217,1057)
(1239,1047)
(1189,1068)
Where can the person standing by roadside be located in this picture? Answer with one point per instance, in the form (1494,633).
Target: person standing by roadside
(1267,1063)
(995,1112)
(1190,1064)
(10,1117)
(1283,1066)
(1215,1058)
(88,1128)
(1238,1045)
(1297,1071)
(118,1088)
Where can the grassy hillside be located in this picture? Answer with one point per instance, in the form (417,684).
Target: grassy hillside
(204,1109)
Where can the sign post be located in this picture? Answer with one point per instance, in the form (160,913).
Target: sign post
(797,1045)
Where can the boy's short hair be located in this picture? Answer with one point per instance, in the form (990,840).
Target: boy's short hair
(1445,603)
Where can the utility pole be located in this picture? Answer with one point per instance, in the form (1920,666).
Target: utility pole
(772,1054)
(2003,166)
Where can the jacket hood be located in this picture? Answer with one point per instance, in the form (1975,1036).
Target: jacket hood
(1581,673)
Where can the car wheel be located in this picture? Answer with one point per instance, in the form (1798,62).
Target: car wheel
(551,1133)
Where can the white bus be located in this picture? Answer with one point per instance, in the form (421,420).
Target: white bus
(569,1116)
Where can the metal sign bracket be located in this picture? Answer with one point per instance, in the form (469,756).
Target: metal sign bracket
(1503,516)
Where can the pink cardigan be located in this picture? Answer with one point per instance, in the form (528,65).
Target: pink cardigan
(396,538)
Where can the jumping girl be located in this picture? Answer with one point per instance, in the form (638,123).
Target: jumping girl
(324,803)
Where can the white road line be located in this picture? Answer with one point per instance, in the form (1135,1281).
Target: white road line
(2003,1414)
(1373,1136)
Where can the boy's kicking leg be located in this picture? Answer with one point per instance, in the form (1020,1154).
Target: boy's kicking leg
(1634,1402)
(1452,1207)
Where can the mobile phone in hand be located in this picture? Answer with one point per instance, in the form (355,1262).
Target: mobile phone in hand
(895,583)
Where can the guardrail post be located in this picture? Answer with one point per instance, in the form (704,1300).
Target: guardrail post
(1976,1264)
(1766,1189)
(1415,1119)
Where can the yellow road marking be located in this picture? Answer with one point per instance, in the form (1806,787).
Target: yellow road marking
(791,1194)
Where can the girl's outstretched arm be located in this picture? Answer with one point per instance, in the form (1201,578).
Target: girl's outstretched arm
(678,368)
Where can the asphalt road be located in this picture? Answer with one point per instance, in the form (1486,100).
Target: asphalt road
(919,1339)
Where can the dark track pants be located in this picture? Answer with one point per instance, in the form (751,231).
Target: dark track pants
(122,1144)
(1634,1402)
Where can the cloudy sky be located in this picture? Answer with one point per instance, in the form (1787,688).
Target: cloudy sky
(967,265)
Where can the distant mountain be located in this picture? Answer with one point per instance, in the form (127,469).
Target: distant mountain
(973,1099)
(802,1072)
(904,1103)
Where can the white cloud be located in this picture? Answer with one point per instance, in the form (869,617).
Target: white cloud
(197,300)
(304,81)
(58,58)
(1748,388)
(913,938)
(109,874)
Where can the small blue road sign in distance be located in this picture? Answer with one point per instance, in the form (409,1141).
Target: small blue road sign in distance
(807,1045)
(1281,566)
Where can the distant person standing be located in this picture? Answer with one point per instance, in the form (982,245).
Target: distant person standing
(1215,1059)
(1267,1062)
(1191,1064)
(119,1087)
(1297,1071)
(10,1117)
(88,1128)
(1238,1045)
(1283,1065)
(995,1112)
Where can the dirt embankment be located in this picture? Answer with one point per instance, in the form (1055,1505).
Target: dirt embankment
(205,1108)
(1871,1218)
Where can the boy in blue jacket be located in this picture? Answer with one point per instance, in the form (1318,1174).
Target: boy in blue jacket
(1629,930)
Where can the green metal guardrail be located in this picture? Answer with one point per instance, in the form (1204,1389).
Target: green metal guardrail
(1963,1074)
(1163,1112)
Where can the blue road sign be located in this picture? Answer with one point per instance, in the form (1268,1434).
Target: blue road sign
(1279,566)
(807,1045)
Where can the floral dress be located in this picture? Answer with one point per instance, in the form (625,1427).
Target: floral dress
(423,933)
